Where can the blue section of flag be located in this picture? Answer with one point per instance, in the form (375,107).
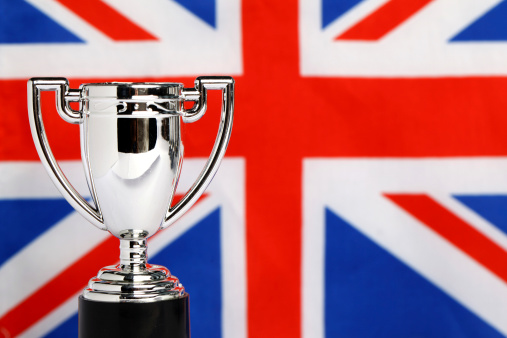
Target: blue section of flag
(333,9)
(492,26)
(69,328)
(195,258)
(370,293)
(25,219)
(492,208)
(203,9)
(20,22)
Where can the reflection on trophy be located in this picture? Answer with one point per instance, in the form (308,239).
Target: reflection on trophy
(132,154)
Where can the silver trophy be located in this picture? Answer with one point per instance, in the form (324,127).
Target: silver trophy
(132,154)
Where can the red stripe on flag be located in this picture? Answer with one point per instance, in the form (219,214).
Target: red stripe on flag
(108,20)
(59,289)
(455,230)
(65,285)
(383,20)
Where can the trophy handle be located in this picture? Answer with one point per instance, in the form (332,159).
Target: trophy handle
(202,84)
(64,95)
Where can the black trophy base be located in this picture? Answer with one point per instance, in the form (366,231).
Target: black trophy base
(167,318)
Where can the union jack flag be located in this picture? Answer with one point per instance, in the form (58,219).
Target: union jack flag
(363,193)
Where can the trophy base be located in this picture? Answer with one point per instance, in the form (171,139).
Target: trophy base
(167,318)
(117,283)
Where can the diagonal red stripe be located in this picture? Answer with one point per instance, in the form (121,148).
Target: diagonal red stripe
(455,230)
(108,20)
(59,289)
(383,20)
(63,286)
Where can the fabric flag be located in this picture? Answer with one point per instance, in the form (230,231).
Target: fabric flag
(363,193)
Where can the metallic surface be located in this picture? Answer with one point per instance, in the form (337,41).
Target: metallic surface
(132,153)
(133,280)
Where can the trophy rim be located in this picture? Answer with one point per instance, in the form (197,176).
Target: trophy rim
(133,84)
(132,90)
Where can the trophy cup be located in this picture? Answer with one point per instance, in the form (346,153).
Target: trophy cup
(132,154)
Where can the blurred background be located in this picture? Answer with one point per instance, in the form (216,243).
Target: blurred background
(363,193)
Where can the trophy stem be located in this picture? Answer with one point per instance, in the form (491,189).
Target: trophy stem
(133,251)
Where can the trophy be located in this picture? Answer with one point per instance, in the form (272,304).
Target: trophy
(132,153)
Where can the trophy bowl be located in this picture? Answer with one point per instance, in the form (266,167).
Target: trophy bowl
(132,153)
